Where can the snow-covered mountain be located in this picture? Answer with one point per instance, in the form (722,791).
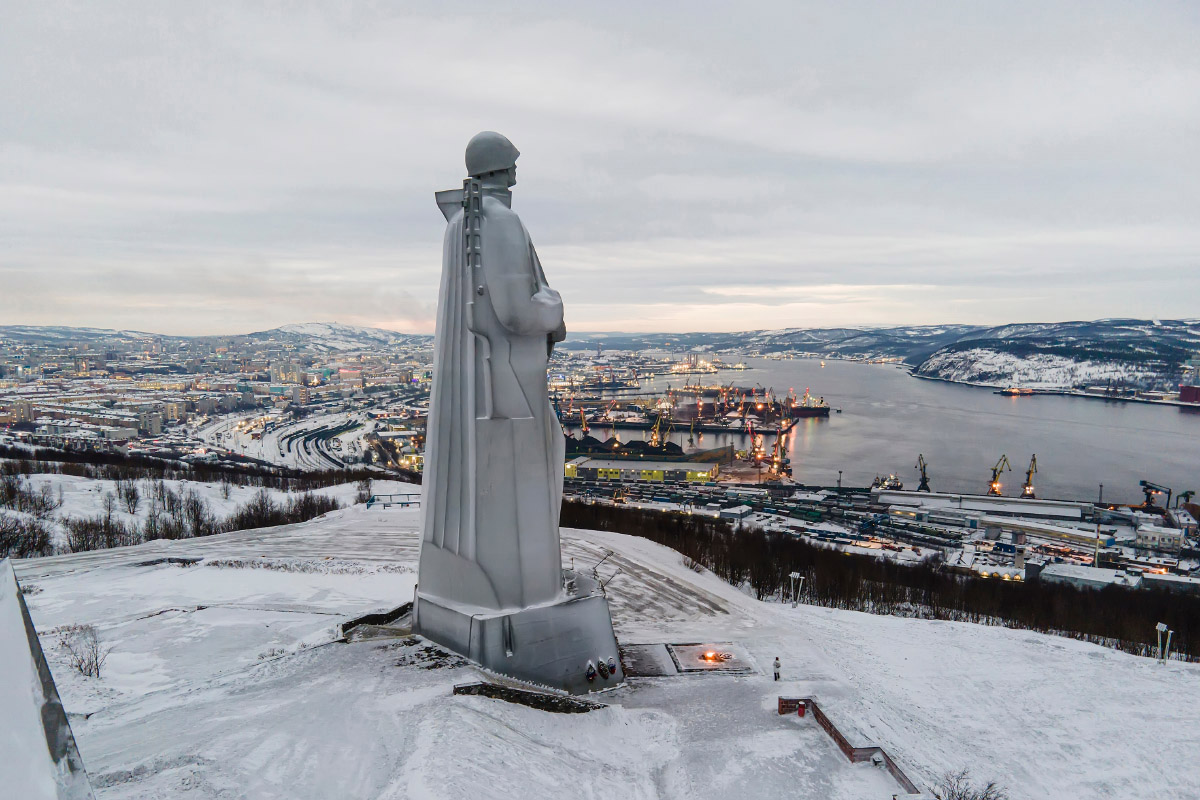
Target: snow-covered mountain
(1122,352)
(334,336)
(62,333)
(325,336)
(1126,351)
(1039,370)
(910,342)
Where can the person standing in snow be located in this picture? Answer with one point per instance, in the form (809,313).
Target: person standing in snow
(776,667)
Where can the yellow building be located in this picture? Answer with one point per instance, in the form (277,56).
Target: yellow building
(611,469)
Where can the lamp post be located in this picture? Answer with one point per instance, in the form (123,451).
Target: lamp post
(1100,499)
(1162,628)
(839,480)
(796,576)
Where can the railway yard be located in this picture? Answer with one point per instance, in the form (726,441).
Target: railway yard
(331,441)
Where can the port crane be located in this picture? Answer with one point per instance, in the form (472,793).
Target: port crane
(1027,489)
(1001,465)
(1151,489)
(778,458)
(659,434)
(922,465)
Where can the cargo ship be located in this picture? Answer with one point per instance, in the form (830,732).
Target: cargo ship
(806,407)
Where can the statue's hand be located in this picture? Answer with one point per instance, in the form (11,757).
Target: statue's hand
(547,297)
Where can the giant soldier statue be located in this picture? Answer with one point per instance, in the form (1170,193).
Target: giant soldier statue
(491,583)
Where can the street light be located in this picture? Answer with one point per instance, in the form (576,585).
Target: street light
(796,576)
(1163,654)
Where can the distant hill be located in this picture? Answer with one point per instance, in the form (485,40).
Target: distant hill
(1128,351)
(1138,352)
(61,333)
(321,336)
(333,336)
(913,343)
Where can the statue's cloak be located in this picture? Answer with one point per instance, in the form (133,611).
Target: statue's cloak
(494,449)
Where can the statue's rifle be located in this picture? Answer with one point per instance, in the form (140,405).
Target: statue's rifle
(472,200)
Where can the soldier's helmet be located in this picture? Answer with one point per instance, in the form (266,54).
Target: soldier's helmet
(490,152)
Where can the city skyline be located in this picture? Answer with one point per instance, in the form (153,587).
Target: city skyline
(222,170)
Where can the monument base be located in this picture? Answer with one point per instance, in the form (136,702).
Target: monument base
(550,644)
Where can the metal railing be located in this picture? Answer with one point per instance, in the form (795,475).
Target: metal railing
(405,500)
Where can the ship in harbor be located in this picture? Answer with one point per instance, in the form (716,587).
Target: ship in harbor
(888,482)
(807,406)
(694,409)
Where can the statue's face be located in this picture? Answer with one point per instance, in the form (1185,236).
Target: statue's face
(512,176)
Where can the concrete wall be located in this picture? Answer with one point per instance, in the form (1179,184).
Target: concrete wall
(791,705)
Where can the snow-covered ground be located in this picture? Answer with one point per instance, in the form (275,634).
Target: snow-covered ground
(1041,371)
(85,497)
(223,681)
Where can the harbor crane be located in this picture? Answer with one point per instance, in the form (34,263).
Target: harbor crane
(1151,489)
(922,464)
(660,434)
(1027,492)
(1001,465)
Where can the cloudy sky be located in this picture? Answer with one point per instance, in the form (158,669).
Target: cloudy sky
(197,168)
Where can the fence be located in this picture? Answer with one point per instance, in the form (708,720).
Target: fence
(411,499)
(798,705)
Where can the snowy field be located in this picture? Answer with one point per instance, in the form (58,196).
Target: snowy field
(224,682)
(85,497)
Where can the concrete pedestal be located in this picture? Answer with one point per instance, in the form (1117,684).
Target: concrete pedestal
(549,644)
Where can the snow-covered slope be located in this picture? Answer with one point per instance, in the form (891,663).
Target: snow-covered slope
(1040,370)
(61,333)
(1156,347)
(334,336)
(85,498)
(221,683)
(327,336)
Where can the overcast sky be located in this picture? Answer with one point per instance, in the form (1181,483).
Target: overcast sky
(195,168)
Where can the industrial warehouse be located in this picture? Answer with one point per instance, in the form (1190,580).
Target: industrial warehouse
(585,468)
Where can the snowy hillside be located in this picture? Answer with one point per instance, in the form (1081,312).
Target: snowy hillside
(78,498)
(987,366)
(333,336)
(1162,340)
(58,333)
(223,681)
(909,342)
(327,336)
